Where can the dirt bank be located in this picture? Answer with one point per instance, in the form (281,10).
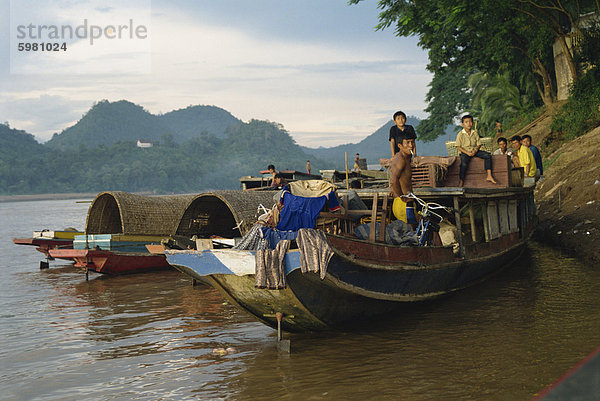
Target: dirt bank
(569,196)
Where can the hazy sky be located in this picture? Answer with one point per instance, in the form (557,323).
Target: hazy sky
(317,67)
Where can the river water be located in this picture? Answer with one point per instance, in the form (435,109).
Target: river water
(151,336)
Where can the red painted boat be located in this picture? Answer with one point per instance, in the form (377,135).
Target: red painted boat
(43,245)
(110,262)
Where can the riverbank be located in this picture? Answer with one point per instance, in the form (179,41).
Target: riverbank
(21,198)
(76,195)
(568,198)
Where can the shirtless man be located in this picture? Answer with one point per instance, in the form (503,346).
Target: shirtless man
(400,181)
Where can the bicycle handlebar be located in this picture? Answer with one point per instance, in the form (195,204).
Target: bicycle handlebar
(427,207)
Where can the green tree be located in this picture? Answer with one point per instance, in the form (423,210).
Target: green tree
(463,36)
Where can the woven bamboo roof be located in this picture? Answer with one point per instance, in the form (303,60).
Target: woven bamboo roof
(220,212)
(117,212)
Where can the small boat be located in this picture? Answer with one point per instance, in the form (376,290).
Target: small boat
(46,240)
(113,253)
(112,262)
(264,181)
(368,277)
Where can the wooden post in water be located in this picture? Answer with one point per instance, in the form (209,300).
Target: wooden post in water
(347,183)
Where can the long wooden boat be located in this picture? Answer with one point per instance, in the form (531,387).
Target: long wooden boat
(112,262)
(264,181)
(366,278)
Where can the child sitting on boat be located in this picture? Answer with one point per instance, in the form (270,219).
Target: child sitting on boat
(469,145)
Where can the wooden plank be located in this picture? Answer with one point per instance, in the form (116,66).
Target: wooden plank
(492,211)
(384,212)
(461,248)
(503,216)
(513,216)
(486,226)
(472,222)
(347,224)
(372,233)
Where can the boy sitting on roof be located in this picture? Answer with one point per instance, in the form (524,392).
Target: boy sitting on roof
(468,144)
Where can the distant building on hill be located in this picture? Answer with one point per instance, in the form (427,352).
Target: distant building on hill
(142,143)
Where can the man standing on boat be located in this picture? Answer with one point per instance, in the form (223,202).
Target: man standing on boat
(401,181)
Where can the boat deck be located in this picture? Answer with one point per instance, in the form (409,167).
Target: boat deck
(461,192)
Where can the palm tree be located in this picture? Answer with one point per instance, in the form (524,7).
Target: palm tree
(494,97)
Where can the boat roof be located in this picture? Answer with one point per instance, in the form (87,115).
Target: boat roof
(463,192)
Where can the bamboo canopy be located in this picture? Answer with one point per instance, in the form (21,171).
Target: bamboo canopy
(223,213)
(117,212)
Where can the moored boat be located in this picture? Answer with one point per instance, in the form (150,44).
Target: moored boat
(112,262)
(265,179)
(368,277)
(45,240)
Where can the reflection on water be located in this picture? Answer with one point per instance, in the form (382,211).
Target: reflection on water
(151,336)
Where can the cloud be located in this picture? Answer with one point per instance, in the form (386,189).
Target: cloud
(43,115)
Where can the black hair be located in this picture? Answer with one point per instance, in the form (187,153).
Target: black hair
(270,167)
(498,122)
(399,113)
(526,136)
(516,138)
(463,118)
(502,139)
(278,175)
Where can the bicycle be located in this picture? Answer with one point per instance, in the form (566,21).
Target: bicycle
(430,220)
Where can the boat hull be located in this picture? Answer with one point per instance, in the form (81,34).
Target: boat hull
(114,263)
(350,293)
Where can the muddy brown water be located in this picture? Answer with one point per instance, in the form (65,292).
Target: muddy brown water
(152,336)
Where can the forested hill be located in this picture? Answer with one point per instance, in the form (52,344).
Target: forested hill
(201,163)
(109,122)
(190,122)
(376,146)
(13,142)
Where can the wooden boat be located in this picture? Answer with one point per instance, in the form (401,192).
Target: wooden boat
(46,240)
(367,278)
(264,181)
(113,253)
(112,262)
